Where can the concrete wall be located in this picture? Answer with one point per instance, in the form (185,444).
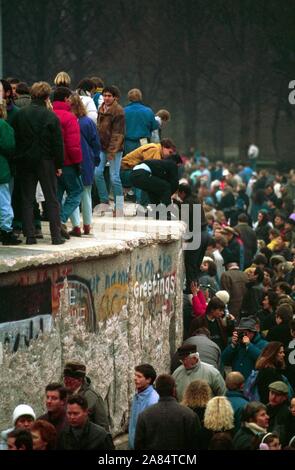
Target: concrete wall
(111,310)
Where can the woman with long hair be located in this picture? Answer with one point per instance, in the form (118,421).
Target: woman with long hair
(270,365)
(90,144)
(219,417)
(262,227)
(196,397)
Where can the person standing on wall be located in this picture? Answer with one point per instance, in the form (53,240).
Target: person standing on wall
(111,129)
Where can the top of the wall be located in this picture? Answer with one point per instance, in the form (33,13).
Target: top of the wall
(110,237)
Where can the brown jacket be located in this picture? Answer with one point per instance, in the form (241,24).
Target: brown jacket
(111,128)
(234,282)
(145,152)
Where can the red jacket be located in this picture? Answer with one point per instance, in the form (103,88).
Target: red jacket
(199,304)
(70,132)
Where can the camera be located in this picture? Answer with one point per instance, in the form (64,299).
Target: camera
(241,335)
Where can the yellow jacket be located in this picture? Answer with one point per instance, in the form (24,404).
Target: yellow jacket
(145,152)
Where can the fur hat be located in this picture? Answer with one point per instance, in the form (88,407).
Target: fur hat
(186,349)
(22,410)
(75,369)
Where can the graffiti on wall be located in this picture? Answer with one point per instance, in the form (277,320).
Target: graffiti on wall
(24,312)
(155,286)
(29,305)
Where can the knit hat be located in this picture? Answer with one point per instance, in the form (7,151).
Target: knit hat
(22,410)
(186,349)
(279,387)
(223,295)
(75,369)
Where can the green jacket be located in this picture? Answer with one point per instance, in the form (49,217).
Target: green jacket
(7,146)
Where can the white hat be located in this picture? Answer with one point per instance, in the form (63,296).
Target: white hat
(223,295)
(22,410)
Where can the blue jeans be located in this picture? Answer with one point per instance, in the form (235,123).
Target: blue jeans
(115,165)
(6,212)
(69,182)
(86,203)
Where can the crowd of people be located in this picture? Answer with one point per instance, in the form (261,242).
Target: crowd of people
(232,380)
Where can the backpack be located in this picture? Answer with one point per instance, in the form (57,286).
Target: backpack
(250,387)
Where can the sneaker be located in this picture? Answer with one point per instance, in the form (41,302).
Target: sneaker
(86,229)
(58,241)
(75,232)
(9,238)
(63,231)
(31,241)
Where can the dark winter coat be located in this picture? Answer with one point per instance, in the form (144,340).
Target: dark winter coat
(59,423)
(264,378)
(280,333)
(166,170)
(167,426)
(93,437)
(35,123)
(241,358)
(238,403)
(278,418)
(262,231)
(245,439)
(96,407)
(248,237)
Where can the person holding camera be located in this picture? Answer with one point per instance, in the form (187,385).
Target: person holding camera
(245,348)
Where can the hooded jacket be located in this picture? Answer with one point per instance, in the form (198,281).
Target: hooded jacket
(70,131)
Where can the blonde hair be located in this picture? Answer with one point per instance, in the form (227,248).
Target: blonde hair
(197,393)
(62,79)
(219,415)
(164,114)
(40,90)
(134,95)
(77,105)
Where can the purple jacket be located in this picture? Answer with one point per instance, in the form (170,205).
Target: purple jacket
(90,144)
